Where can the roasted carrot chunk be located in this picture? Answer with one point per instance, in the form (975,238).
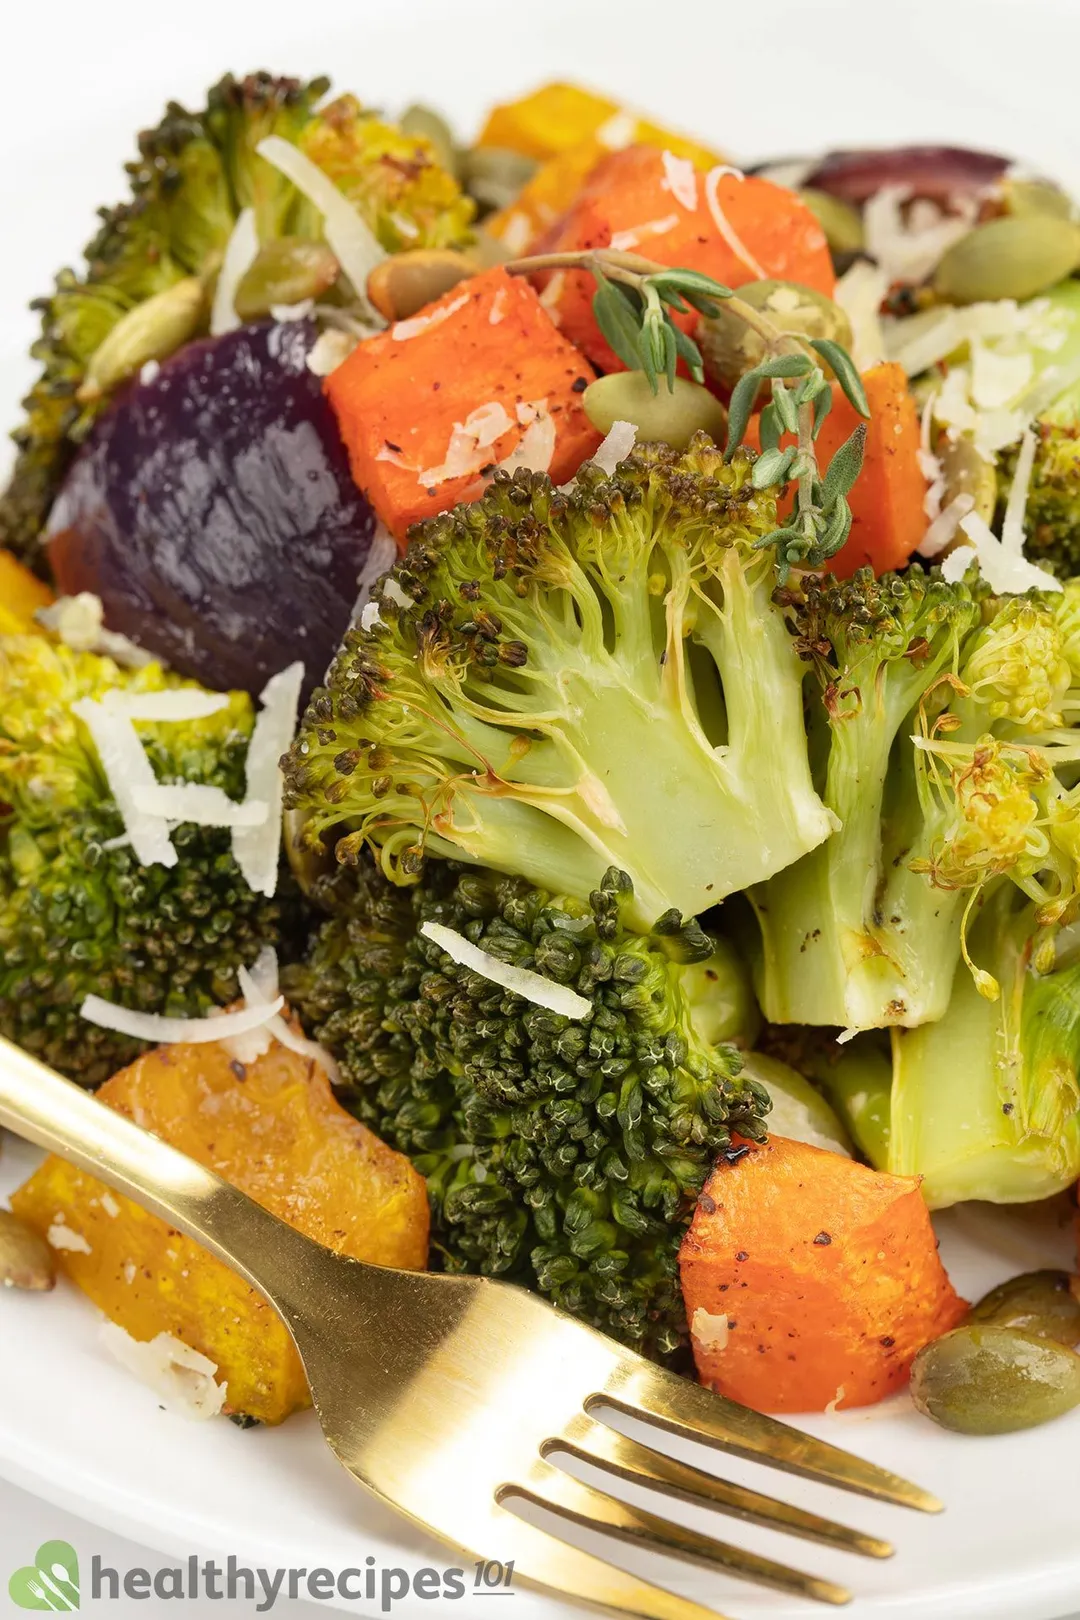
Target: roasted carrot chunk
(647,200)
(480,377)
(273,1129)
(888,516)
(809,1280)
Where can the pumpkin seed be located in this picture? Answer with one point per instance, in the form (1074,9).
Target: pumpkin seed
(26,1261)
(495,175)
(285,271)
(1046,1303)
(153,330)
(985,1379)
(841,223)
(730,348)
(432,126)
(1025,197)
(1016,256)
(407,282)
(670,416)
(967,472)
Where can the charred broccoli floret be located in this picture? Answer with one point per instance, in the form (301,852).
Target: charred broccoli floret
(929,710)
(561,1152)
(194,174)
(78,913)
(554,682)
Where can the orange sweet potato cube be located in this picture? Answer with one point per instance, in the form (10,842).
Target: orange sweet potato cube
(431,405)
(274,1130)
(650,201)
(810,1280)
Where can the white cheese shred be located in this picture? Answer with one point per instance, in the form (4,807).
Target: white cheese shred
(557,998)
(240,251)
(680,178)
(1005,571)
(182,1378)
(165,1031)
(618,443)
(178,703)
(127,766)
(721,221)
(256,849)
(259,985)
(198,804)
(943,529)
(1012,529)
(382,554)
(348,236)
(708,1331)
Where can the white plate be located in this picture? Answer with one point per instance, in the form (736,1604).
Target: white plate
(755,79)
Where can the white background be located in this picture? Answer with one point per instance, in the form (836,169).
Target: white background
(80,78)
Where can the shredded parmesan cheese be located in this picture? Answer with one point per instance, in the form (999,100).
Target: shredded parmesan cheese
(831,1406)
(619,131)
(165,1031)
(618,443)
(1012,529)
(239,255)
(957,563)
(497,312)
(256,849)
(127,766)
(178,703)
(402,331)
(1005,570)
(380,557)
(908,249)
(557,998)
(721,221)
(943,529)
(284,313)
(62,1237)
(198,804)
(348,236)
(860,292)
(625,241)
(182,1378)
(79,621)
(680,178)
(537,444)
(709,1331)
(330,350)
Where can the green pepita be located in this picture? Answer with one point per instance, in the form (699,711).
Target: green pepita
(287,270)
(26,1261)
(153,330)
(967,472)
(730,347)
(670,416)
(306,864)
(494,175)
(432,126)
(405,283)
(985,1379)
(1046,1303)
(1026,197)
(1016,256)
(841,223)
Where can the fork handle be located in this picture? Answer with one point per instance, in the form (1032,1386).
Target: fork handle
(39,1105)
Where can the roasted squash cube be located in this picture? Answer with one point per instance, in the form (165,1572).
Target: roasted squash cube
(274,1130)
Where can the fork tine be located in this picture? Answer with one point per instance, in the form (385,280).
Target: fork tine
(551,1488)
(543,1560)
(684,1408)
(640,1465)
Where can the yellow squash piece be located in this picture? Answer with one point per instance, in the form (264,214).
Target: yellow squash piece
(570,131)
(274,1130)
(21,594)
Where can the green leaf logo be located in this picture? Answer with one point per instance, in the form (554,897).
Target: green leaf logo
(51,1582)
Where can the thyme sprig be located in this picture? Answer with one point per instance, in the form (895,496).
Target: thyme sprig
(634,303)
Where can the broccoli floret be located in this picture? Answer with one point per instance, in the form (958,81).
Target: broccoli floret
(78,914)
(552,683)
(564,1155)
(985,1103)
(927,701)
(194,173)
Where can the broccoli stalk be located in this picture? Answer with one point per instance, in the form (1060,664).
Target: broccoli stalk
(923,719)
(985,1103)
(554,683)
(78,914)
(563,1154)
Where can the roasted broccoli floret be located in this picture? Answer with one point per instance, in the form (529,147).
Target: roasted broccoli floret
(194,174)
(564,1153)
(555,682)
(927,709)
(78,913)
(984,1103)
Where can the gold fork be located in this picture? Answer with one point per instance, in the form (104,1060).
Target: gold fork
(448,1397)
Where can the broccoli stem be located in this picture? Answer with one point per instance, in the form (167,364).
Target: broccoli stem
(985,1102)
